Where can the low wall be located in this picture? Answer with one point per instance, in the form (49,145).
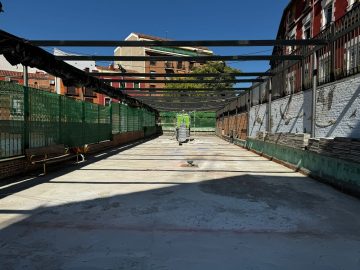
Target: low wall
(18,165)
(340,173)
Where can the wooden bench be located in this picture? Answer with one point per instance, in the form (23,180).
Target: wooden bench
(48,155)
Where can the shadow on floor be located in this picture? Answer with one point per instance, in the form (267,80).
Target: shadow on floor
(232,220)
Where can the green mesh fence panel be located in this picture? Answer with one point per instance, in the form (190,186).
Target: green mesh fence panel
(71,127)
(44,108)
(115,117)
(203,120)
(131,119)
(168,119)
(104,126)
(91,124)
(55,119)
(11,120)
(198,120)
(123,118)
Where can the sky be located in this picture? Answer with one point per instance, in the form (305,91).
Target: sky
(174,19)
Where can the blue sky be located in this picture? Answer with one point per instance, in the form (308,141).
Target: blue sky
(115,19)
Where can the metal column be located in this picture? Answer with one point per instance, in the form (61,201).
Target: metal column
(313,106)
(269,127)
(26,108)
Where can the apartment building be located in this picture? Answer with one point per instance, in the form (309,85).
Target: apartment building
(158,67)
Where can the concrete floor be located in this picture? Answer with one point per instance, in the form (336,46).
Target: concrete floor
(142,208)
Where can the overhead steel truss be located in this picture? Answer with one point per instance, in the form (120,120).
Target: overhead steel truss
(179,43)
(186,89)
(186,81)
(181,75)
(17,50)
(181,58)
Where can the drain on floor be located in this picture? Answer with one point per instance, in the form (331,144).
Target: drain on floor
(189,163)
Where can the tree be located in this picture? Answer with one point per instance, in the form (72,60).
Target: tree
(210,67)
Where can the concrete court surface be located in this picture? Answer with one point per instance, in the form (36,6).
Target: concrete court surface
(143,208)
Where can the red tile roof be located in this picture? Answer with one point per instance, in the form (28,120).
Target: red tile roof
(17,74)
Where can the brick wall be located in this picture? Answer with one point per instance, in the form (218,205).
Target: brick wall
(11,167)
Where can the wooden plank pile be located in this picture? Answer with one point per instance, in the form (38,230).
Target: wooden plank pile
(299,140)
(343,148)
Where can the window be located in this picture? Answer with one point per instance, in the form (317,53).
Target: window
(307,30)
(71,90)
(191,65)
(290,83)
(352,55)
(324,68)
(328,11)
(152,77)
(107,101)
(137,85)
(291,36)
(152,63)
(307,76)
(180,65)
(17,107)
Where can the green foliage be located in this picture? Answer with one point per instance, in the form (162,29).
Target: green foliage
(210,67)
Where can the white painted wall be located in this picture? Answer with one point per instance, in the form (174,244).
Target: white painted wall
(292,114)
(257,119)
(82,65)
(5,65)
(337,111)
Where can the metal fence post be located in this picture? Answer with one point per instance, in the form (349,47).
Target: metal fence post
(111,118)
(98,123)
(269,106)
(60,120)
(83,123)
(26,108)
(332,53)
(248,108)
(313,111)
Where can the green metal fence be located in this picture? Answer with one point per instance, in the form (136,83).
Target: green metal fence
(35,118)
(199,121)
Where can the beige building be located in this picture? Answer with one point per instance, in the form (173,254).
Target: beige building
(158,67)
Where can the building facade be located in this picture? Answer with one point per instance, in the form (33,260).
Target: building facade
(38,80)
(318,19)
(320,93)
(158,67)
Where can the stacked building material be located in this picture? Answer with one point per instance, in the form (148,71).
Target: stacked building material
(343,148)
(299,141)
(260,135)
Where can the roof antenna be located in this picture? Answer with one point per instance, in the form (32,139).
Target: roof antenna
(1,8)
